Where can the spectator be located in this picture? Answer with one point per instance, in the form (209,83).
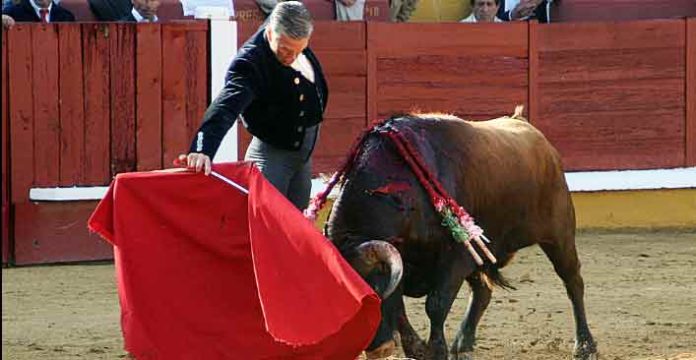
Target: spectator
(7,22)
(143,11)
(513,10)
(45,11)
(110,10)
(401,10)
(483,11)
(350,10)
(266,6)
(277,83)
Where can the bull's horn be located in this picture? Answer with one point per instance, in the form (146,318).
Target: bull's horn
(372,253)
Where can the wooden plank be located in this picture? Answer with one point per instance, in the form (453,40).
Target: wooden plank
(471,102)
(95,45)
(347,97)
(72,116)
(245,30)
(4,139)
(56,232)
(149,96)
(337,135)
(449,38)
(611,35)
(348,63)
(20,74)
(341,36)
(602,10)
(611,64)
(175,137)
(621,139)
(243,139)
(451,70)
(122,79)
(532,108)
(601,96)
(691,92)
(197,85)
(371,107)
(44,46)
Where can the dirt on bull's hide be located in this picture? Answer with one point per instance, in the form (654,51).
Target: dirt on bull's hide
(639,293)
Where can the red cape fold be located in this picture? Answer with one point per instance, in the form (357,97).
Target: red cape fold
(207,272)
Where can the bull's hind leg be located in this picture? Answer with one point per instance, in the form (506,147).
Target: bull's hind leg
(565,261)
(463,345)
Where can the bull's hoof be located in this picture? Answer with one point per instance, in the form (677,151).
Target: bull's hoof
(385,350)
(465,355)
(414,347)
(586,351)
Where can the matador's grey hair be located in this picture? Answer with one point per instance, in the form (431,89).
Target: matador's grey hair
(291,18)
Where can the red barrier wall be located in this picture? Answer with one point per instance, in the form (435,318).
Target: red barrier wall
(89,101)
(613,10)
(86,101)
(611,95)
(691,92)
(4,141)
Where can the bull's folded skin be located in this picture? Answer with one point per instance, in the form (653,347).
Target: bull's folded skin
(205,272)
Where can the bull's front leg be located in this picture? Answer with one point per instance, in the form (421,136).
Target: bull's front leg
(413,346)
(439,302)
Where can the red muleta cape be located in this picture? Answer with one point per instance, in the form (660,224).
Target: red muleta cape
(206,272)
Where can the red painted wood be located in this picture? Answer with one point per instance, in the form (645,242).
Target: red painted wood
(611,35)
(603,10)
(95,43)
(449,38)
(197,82)
(341,36)
(533,97)
(612,96)
(56,232)
(21,109)
(691,92)
(475,88)
(4,139)
(122,78)
(617,139)
(72,116)
(471,71)
(371,48)
(149,96)
(46,112)
(175,137)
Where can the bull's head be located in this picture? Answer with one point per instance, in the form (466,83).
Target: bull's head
(380,256)
(380,264)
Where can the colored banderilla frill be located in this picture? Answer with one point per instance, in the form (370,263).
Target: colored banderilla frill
(460,224)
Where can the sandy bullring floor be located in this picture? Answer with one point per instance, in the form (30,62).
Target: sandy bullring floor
(640,295)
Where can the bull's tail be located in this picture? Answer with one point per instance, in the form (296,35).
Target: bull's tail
(493,277)
(519,109)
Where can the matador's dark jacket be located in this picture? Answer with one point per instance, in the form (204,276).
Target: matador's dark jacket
(276,102)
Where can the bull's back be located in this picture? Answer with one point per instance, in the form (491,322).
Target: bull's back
(505,172)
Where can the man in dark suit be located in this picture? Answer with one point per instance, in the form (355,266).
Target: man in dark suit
(45,11)
(277,84)
(143,11)
(524,10)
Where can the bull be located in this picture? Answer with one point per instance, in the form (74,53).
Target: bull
(508,177)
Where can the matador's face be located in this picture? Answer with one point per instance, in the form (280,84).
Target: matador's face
(285,48)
